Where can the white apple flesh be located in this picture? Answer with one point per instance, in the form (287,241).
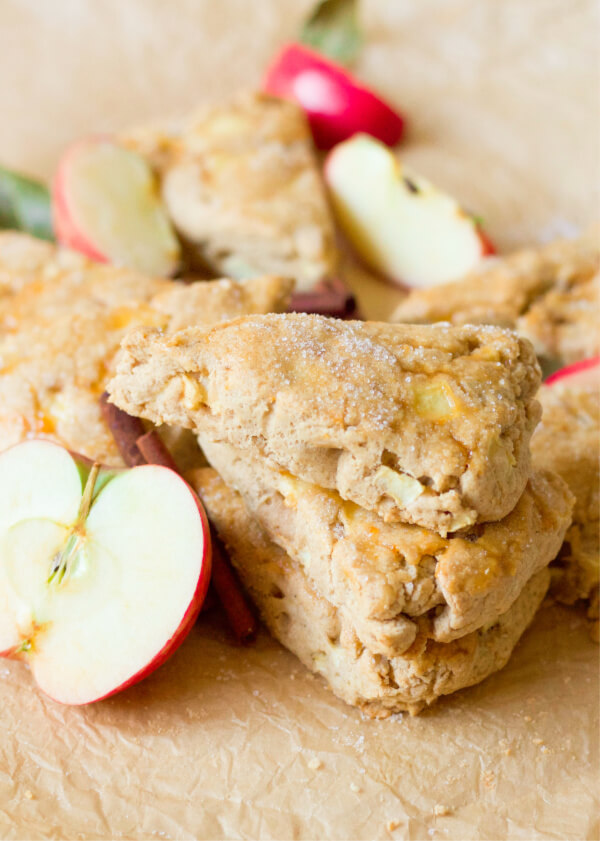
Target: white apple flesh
(398,223)
(106,204)
(102,574)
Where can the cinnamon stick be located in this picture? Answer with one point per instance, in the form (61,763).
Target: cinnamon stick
(149,448)
(230,594)
(125,430)
(330,297)
(227,587)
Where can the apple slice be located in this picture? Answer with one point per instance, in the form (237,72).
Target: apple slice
(336,104)
(580,376)
(102,573)
(399,223)
(106,204)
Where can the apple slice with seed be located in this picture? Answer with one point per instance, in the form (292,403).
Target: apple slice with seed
(106,204)
(398,223)
(102,572)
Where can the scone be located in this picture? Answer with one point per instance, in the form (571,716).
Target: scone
(61,320)
(324,638)
(241,184)
(549,294)
(426,425)
(568,442)
(385,576)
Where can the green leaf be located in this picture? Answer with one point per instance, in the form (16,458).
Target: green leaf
(25,205)
(332,29)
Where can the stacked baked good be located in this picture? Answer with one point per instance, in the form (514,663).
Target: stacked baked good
(374,487)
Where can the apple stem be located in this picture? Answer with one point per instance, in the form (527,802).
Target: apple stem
(61,561)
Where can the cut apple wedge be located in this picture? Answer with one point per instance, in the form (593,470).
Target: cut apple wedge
(336,104)
(106,204)
(580,376)
(398,223)
(102,573)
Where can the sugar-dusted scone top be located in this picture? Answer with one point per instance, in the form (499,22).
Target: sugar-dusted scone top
(325,639)
(549,294)
(386,576)
(61,320)
(241,184)
(568,442)
(429,425)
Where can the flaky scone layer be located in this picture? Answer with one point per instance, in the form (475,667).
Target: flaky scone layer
(429,425)
(242,186)
(387,575)
(549,294)
(568,442)
(324,637)
(62,318)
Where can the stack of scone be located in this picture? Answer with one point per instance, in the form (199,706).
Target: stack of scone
(374,488)
(550,295)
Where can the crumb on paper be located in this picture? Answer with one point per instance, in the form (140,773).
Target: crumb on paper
(489,779)
(538,741)
(315,763)
(28,794)
(354,787)
(440,809)
(527,718)
(507,751)
(392,825)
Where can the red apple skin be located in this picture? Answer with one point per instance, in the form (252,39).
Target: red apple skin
(577,368)
(487,246)
(336,104)
(65,228)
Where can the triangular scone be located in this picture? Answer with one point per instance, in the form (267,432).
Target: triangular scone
(242,186)
(568,442)
(548,294)
(429,425)
(324,638)
(62,318)
(388,575)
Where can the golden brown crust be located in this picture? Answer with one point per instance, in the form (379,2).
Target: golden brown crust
(388,575)
(324,637)
(568,442)
(242,186)
(548,294)
(429,425)
(61,320)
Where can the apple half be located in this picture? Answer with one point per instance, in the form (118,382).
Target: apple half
(581,376)
(398,223)
(106,204)
(102,572)
(336,104)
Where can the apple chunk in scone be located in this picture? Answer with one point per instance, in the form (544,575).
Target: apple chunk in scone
(102,572)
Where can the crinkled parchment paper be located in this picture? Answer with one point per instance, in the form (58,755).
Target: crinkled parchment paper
(225,742)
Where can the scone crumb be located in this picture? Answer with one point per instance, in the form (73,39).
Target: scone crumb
(29,794)
(439,809)
(527,718)
(538,741)
(355,788)
(392,825)
(315,763)
(489,779)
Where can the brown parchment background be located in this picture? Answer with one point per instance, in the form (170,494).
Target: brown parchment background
(223,742)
